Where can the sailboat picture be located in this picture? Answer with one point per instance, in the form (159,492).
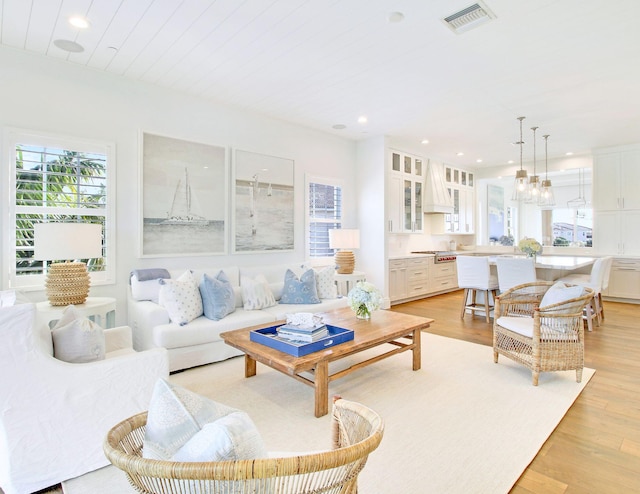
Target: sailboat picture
(184,198)
(263,206)
(183,207)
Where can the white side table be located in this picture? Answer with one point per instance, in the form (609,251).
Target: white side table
(101,310)
(346,282)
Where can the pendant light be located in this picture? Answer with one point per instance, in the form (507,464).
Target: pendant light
(520,183)
(546,191)
(533,191)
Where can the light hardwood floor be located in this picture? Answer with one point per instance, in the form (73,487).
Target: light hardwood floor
(596,446)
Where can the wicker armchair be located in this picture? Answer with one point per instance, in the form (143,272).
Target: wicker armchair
(357,431)
(543,339)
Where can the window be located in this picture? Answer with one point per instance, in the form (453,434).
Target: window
(56,180)
(572,227)
(324,213)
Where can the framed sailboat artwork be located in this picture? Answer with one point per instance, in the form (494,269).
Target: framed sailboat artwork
(184,197)
(263,203)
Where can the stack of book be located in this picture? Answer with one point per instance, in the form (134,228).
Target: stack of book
(302,334)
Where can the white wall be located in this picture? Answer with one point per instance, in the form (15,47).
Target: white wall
(54,96)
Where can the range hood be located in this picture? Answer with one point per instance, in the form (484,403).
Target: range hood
(436,198)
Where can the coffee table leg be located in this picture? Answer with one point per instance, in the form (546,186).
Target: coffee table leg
(417,350)
(249,366)
(321,381)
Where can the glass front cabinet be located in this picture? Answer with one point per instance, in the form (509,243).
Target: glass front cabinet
(460,185)
(405,191)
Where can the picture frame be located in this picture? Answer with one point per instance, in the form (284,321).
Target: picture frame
(184,197)
(263,203)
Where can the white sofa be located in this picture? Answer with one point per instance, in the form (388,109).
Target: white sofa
(54,415)
(199,342)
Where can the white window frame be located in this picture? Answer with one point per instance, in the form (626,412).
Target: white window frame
(311,179)
(12,138)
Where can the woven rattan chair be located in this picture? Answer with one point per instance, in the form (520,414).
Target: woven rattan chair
(543,339)
(357,431)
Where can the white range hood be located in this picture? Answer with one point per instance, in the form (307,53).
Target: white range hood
(436,198)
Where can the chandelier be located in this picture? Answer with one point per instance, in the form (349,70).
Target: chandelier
(520,186)
(546,192)
(533,190)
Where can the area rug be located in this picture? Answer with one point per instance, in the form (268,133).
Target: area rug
(461,424)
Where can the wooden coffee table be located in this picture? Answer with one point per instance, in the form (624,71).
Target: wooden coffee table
(401,331)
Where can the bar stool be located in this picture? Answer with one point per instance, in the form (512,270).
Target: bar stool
(598,280)
(513,271)
(474,276)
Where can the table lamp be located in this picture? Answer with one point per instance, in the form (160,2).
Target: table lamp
(67,282)
(344,239)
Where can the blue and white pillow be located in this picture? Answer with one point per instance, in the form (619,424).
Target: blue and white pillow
(256,293)
(301,290)
(326,282)
(218,297)
(181,297)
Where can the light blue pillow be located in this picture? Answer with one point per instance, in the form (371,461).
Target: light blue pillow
(301,290)
(218,298)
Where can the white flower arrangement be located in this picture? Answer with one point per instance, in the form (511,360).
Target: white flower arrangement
(364,298)
(530,246)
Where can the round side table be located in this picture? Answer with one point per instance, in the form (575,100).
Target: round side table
(101,310)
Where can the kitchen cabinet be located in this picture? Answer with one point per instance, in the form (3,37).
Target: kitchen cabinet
(616,232)
(405,189)
(443,277)
(417,276)
(460,185)
(616,175)
(624,280)
(397,279)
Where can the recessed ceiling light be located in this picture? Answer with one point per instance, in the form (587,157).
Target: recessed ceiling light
(68,45)
(425,141)
(395,17)
(79,22)
(478,161)
(339,126)
(460,154)
(362,119)
(570,153)
(510,162)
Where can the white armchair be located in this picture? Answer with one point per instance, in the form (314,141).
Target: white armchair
(55,415)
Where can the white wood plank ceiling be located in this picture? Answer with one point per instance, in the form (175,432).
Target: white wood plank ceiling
(572,67)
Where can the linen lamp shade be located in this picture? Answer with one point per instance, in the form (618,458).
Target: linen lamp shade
(344,239)
(67,282)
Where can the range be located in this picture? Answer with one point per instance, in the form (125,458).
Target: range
(439,255)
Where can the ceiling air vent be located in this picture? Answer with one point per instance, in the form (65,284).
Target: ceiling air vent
(468,18)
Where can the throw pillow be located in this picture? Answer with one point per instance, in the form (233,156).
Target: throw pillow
(145,283)
(256,293)
(301,290)
(326,283)
(181,297)
(181,426)
(559,292)
(218,298)
(77,339)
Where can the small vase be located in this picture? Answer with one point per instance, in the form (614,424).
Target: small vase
(363,313)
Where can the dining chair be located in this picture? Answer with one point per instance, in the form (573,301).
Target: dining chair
(474,275)
(514,271)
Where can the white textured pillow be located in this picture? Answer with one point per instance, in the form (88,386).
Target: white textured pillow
(181,297)
(326,284)
(76,339)
(256,293)
(184,426)
(559,292)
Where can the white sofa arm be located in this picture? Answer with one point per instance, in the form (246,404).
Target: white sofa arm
(143,316)
(119,338)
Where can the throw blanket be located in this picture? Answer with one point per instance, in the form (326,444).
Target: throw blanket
(149,274)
